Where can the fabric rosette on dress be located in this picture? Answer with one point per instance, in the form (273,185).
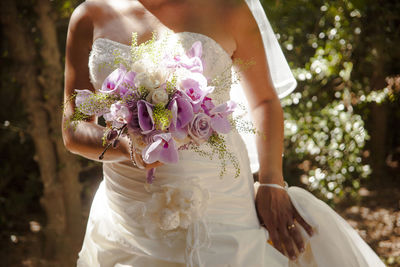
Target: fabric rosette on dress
(175,213)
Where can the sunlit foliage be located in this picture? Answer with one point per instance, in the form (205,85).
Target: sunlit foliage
(334,49)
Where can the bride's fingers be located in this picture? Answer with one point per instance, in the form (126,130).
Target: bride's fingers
(303,223)
(297,238)
(142,165)
(138,160)
(153,165)
(276,242)
(287,242)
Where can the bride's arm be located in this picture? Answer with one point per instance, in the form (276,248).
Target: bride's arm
(273,205)
(86,138)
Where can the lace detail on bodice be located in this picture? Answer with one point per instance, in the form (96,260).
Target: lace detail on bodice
(217,63)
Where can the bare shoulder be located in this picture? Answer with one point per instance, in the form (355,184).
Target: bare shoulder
(241,18)
(81,21)
(86,15)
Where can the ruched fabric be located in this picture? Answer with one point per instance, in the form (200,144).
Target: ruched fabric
(227,234)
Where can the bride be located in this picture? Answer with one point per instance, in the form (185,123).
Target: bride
(224,222)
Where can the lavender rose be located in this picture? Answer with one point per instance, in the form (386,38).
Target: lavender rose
(200,128)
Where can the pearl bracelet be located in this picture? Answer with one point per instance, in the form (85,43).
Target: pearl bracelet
(277,186)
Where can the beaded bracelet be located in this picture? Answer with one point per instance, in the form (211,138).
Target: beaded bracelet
(132,150)
(277,186)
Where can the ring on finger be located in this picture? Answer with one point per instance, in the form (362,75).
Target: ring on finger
(291,227)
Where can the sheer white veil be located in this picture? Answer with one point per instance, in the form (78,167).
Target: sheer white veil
(281,75)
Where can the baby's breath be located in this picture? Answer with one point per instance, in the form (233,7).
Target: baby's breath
(119,59)
(230,76)
(171,85)
(217,145)
(76,117)
(96,103)
(162,116)
(142,92)
(147,48)
(242,126)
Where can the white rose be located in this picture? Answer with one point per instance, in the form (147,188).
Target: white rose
(143,79)
(149,80)
(140,66)
(158,96)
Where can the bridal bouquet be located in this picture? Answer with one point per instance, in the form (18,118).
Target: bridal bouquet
(161,100)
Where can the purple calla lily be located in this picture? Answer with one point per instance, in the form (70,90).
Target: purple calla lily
(133,119)
(182,114)
(145,115)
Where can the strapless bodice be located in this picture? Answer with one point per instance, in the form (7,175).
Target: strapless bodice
(216,61)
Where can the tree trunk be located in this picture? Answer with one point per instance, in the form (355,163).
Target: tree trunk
(23,52)
(379,122)
(51,79)
(42,95)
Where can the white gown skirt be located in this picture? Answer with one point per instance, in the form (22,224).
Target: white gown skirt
(192,217)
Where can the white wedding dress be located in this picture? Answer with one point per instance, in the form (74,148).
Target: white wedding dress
(191,216)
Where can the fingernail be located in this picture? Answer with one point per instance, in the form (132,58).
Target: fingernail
(293,258)
(301,250)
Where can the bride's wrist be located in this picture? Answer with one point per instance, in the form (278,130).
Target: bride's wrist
(285,187)
(271,179)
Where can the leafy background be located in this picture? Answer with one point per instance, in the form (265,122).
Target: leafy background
(342,139)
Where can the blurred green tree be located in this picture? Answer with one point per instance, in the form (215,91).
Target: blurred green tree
(338,51)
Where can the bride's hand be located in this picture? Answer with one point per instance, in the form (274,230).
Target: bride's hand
(137,157)
(277,213)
